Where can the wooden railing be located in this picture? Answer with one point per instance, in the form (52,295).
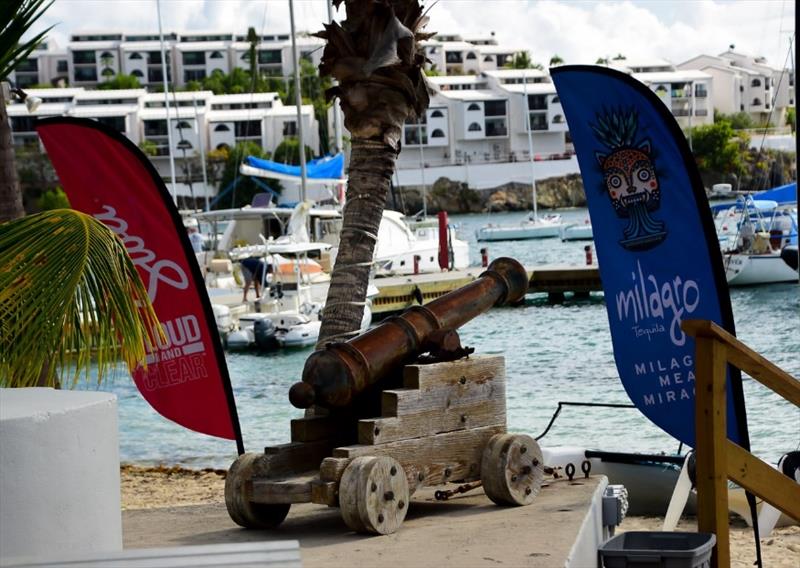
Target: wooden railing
(719,459)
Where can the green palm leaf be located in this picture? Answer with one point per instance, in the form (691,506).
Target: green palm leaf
(16,17)
(69,295)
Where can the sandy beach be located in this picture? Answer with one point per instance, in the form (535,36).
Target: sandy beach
(161,487)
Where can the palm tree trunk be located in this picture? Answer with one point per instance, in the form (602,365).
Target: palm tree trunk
(10,194)
(370,174)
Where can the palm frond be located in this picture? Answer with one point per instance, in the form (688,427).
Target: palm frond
(69,294)
(374,54)
(16,18)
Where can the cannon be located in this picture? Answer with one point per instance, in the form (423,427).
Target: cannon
(443,422)
(332,376)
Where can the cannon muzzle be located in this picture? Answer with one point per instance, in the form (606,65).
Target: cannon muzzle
(334,375)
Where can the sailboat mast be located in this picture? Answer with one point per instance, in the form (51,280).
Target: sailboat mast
(299,103)
(337,111)
(526,109)
(166,102)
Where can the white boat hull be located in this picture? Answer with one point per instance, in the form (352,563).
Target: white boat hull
(577,233)
(520,232)
(750,269)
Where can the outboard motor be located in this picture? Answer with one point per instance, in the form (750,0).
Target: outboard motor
(264,334)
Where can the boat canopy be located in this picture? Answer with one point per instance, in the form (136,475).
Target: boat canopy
(325,170)
(784,194)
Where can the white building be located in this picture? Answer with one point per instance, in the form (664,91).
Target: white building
(95,57)
(743,83)
(46,65)
(688,94)
(199,121)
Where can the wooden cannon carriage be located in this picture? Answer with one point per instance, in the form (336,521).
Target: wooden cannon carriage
(385,422)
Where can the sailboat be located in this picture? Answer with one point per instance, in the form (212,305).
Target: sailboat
(534,227)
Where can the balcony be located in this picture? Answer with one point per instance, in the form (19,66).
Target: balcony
(496,128)
(701,93)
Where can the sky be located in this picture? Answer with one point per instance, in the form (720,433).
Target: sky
(579,31)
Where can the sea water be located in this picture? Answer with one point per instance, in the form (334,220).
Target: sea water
(553,353)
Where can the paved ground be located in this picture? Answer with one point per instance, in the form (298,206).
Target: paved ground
(468,530)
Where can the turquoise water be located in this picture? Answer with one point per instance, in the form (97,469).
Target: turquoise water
(553,353)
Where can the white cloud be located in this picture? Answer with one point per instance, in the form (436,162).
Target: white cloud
(579,31)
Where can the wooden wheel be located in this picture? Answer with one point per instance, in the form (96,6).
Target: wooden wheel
(512,469)
(244,512)
(373,495)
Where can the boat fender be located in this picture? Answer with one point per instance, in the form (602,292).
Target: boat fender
(790,465)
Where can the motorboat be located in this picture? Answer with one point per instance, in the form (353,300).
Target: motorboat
(578,232)
(534,227)
(401,239)
(752,245)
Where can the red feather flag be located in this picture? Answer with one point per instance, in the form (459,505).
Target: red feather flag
(105,175)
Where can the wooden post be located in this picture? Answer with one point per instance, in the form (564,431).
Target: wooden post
(711,440)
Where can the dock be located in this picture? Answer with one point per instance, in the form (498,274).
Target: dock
(400,292)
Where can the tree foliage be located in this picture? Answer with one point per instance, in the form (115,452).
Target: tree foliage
(738,120)
(715,148)
(121,81)
(556,60)
(70,302)
(53,199)
(791,118)
(288,152)
(244,188)
(522,60)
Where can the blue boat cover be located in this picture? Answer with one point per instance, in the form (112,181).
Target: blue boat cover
(783,194)
(326,167)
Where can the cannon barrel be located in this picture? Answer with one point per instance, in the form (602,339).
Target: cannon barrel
(334,375)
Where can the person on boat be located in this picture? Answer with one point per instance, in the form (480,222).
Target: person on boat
(746,236)
(195,238)
(254,270)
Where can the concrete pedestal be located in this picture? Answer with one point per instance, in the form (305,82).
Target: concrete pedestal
(59,473)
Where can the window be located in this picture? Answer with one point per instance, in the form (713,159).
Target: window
(495,108)
(107,73)
(85,74)
(115,122)
(106,56)
(194,57)
(269,56)
(184,145)
(223,146)
(222,128)
(154,75)
(83,57)
(475,127)
(155,127)
(437,133)
(555,100)
(27,80)
(558,119)
(453,57)
(537,102)
(437,114)
(474,106)
(154,58)
(215,55)
(61,66)
(290,128)
(538,121)
(135,55)
(22,124)
(184,125)
(194,75)
(245,128)
(488,59)
(28,65)
(756,101)
(755,83)
(496,127)
(137,73)
(471,55)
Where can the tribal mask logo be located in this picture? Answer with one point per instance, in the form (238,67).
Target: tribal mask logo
(630,178)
